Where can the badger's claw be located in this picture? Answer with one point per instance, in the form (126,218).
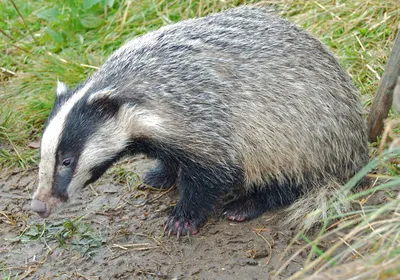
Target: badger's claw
(245,208)
(236,217)
(180,226)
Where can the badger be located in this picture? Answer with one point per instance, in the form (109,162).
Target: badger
(240,101)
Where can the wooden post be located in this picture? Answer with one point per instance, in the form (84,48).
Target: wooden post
(384,95)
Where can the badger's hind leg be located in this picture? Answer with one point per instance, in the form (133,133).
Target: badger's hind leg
(200,190)
(163,176)
(259,200)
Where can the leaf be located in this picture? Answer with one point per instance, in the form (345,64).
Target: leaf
(49,14)
(32,233)
(109,3)
(57,37)
(34,145)
(87,4)
(91,22)
(80,38)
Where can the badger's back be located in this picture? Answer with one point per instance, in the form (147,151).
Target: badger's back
(248,88)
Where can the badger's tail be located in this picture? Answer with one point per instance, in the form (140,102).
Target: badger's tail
(317,204)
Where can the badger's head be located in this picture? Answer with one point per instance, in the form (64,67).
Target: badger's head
(84,135)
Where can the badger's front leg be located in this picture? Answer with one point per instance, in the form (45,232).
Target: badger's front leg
(163,176)
(200,189)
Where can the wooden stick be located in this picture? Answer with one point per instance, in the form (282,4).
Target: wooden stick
(384,95)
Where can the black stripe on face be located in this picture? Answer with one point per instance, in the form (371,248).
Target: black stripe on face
(63,178)
(81,123)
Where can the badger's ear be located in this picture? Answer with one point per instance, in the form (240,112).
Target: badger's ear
(101,95)
(105,101)
(61,88)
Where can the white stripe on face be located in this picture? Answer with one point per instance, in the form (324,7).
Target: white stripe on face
(105,144)
(50,141)
(111,139)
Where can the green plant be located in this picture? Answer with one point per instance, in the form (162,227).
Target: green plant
(76,234)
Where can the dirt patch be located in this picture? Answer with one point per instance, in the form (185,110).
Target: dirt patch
(129,223)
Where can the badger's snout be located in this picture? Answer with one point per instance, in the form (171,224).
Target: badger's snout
(41,208)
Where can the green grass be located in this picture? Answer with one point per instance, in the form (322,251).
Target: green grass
(44,41)
(359,32)
(7,275)
(65,40)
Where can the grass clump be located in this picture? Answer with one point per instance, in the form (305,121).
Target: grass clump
(73,234)
(360,33)
(363,244)
(68,40)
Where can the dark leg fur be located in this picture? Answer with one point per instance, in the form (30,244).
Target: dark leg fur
(163,176)
(260,200)
(200,190)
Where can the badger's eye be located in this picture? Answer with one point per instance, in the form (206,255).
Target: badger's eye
(66,162)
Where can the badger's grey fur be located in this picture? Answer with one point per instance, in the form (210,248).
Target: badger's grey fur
(239,100)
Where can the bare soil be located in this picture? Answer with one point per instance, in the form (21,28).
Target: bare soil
(130,224)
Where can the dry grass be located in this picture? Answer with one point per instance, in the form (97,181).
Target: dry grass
(363,244)
(67,41)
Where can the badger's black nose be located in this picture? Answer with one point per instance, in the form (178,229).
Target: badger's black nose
(41,208)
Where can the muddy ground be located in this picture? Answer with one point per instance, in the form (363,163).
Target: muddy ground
(121,235)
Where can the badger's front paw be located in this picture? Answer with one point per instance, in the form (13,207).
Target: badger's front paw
(180,225)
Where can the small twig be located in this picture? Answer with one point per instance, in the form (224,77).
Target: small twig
(111,214)
(156,240)
(156,198)
(50,251)
(128,4)
(5,34)
(341,221)
(8,71)
(388,130)
(17,267)
(93,190)
(325,9)
(379,23)
(89,66)
(22,49)
(81,275)
(15,149)
(144,249)
(161,195)
(359,41)
(59,58)
(66,61)
(16,8)
(355,252)
(134,247)
(269,245)
(142,272)
(5,215)
(13,173)
(373,71)
(258,230)
(379,176)
(27,272)
(12,39)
